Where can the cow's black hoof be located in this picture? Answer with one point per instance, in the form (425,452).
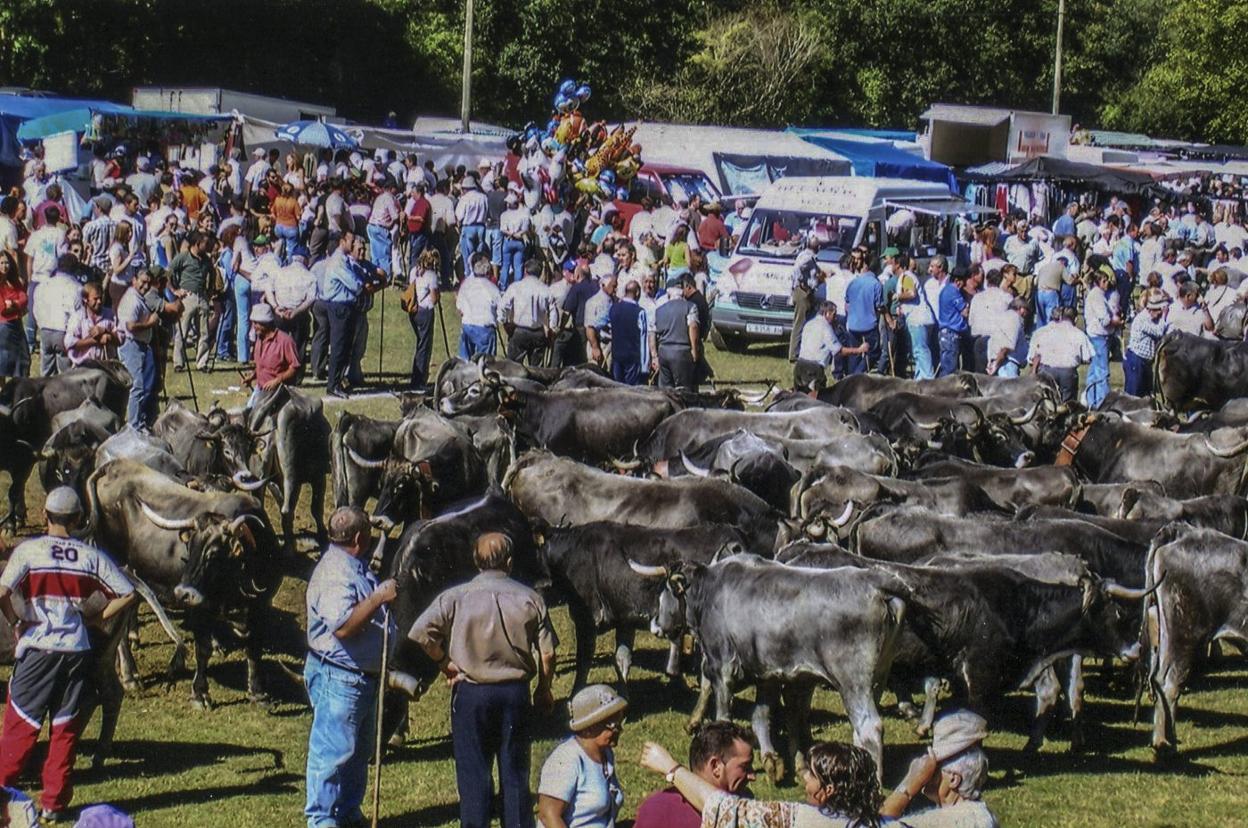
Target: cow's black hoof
(1165,754)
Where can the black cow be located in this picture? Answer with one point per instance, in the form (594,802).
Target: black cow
(757,463)
(862,391)
(1011,488)
(434,464)
(359,447)
(593,425)
(960,427)
(210,445)
(1227,514)
(214,554)
(1194,373)
(688,429)
(605,572)
(68,458)
(1106,498)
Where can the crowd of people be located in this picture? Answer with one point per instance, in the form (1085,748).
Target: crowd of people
(491,638)
(1013,306)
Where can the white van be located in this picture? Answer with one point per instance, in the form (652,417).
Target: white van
(753,299)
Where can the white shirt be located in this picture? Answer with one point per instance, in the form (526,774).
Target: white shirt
(43,246)
(1060,345)
(56,300)
(292,286)
(267,267)
(130,309)
(1180,318)
(642,221)
(477,302)
(1097,311)
(256,172)
(441,211)
(967,813)
(837,284)
(8,233)
(473,207)
(515,222)
(984,307)
(819,343)
(425,282)
(527,304)
(1003,332)
(1219,298)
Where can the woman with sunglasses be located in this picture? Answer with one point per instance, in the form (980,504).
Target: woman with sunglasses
(578,786)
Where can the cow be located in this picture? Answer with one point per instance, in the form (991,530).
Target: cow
(213,554)
(557,490)
(470,386)
(434,463)
(359,447)
(1106,498)
(1193,373)
(758,464)
(99,418)
(1227,514)
(68,457)
(433,555)
(210,445)
(826,502)
(1010,488)
(295,453)
(1233,413)
(1201,580)
(692,427)
(28,406)
(772,624)
(961,427)
(146,448)
(495,439)
(1186,465)
(862,391)
(996,623)
(595,569)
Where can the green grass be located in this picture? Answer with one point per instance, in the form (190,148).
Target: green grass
(242,765)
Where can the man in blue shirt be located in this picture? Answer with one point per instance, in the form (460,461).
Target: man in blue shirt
(864,298)
(345,633)
(629,337)
(951,316)
(340,292)
(1065,224)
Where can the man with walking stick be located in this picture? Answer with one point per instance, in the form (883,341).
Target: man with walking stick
(347,628)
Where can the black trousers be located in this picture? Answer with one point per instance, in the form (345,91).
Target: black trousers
(320,339)
(342,321)
(422,326)
(570,348)
(490,722)
(298,328)
(527,345)
(809,376)
(677,368)
(1067,380)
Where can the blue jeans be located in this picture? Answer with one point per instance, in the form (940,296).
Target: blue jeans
(1137,374)
(471,240)
(476,339)
(494,241)
(1098,372)
(861,363)
(1008,369)
(951,344)
(1046,306)
(920,349)
(379,247)
(513,263)
(242,313)
(291,236)
(340,742)
(141,363)
(416,244)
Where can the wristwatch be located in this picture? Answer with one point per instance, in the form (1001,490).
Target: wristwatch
(670,776)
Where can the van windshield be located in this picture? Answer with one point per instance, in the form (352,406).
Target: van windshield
(684,186)
(779,234)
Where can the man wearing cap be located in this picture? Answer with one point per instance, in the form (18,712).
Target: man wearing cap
(1147,330)
(276,359)
(292,292)
(381,220)
(191,274)
(1101,321)
(676,343)
(1057,351)
(490,637)
(346,628)
(572,350)
(514,225)
(952,773)
(470,213)
(142,181)
(65,587)
(477,302)
(256,173)
(529,315)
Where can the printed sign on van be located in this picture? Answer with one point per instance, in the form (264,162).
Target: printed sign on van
(1032,142)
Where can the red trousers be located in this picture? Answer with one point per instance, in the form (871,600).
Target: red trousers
(52,685)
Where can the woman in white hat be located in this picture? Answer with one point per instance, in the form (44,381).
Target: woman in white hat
(578,786)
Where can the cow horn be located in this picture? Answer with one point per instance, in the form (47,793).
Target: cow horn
(237,523)
(843,518)
(1122,593)
(163,522)
(1028,417)
(753,399)
(694,470)
(239,481)
(631,465)
(648,571)
(361,460)
(932,426)
(1226,452)
(979,412)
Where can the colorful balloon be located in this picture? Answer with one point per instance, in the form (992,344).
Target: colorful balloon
(567,88)
(583,92)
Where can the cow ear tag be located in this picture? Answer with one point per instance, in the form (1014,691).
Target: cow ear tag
(184,535)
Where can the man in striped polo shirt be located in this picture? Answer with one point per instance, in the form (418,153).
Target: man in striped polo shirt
(63,585)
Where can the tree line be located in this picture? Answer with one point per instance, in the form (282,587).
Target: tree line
(1166,67)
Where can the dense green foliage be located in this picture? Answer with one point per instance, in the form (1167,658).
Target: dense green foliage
(1169,68)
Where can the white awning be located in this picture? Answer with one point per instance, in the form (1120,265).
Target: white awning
(940,206)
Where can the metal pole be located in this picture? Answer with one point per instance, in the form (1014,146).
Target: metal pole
(190,378)
(466,101)
(1057,57)
(381,698)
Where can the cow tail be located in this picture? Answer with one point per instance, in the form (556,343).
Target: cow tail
(93,502)
(895,616)
(1166,536)
(338,460)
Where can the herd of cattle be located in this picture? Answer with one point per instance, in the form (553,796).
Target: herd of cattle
(968,535)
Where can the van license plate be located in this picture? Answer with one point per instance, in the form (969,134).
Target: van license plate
(766,330)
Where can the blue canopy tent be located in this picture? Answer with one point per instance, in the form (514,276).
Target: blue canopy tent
(115,120)
(17,110)
(880,159)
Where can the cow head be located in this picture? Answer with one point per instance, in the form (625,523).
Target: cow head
(406,487)
(671,618)
(1112,613)
(67,466)
(238,451)
(220,555)
(1001,442)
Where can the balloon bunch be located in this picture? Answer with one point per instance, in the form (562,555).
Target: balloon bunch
(595,161)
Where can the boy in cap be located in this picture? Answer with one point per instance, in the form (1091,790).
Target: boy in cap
(951,773)
(65,586)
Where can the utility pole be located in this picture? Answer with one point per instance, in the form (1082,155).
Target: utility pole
(1057,57)
(466,102)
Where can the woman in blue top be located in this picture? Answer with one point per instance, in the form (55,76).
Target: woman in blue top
(578,786)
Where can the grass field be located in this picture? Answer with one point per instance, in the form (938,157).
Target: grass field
(243,765)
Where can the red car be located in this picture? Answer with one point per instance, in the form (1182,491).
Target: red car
(660,181)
